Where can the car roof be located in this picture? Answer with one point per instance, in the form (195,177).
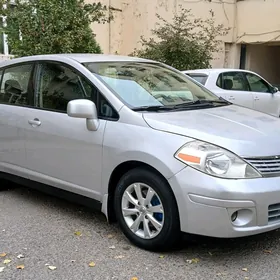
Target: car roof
(101,57)
(82,58)
(215,70)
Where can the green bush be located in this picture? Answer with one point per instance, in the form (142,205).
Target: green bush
(52,26)
(184,43)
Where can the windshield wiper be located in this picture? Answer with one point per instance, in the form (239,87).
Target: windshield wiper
(153,108)
(220,101)
(200,103)
(190,104)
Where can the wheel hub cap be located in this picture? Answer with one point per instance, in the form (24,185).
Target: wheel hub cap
(142,210)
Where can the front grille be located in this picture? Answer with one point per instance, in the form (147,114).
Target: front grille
(267,166)
(274,213)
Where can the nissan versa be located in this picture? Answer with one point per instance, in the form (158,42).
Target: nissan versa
(148,146)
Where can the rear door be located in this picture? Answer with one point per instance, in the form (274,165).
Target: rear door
(16,96)
(234,87)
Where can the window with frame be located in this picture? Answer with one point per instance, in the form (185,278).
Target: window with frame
(232,81)
(104,108)
(59,84)
(257,84)
(201,78)
(16,85)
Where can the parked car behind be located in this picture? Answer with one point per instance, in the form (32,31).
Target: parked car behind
(141,142)
(240,87)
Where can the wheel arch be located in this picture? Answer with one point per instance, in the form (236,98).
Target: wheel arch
(116,175)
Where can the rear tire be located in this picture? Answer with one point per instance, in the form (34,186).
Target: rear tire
(146,210)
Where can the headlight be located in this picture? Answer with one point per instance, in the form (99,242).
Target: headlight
(215,161)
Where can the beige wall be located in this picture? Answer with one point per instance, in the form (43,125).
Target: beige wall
(258,21)
(258,25)
(250,21)
(137,18)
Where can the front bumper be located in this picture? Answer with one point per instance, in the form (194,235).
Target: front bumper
(206,204)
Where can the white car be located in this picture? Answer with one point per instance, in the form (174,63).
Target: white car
(241,87)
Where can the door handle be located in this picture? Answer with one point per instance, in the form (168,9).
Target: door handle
(34,123)
(231,98)
(256,98)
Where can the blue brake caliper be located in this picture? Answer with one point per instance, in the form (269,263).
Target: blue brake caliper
(155,202)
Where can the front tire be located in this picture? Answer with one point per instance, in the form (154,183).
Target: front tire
(4,185)
(146,210)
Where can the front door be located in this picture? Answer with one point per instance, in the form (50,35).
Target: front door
(264,100)
(60,151)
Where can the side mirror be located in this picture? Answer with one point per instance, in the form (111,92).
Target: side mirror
(274,89)
(84,109)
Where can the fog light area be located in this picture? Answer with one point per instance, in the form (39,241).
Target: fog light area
(242,217)
(234,216)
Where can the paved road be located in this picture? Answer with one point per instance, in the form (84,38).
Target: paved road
(42,228)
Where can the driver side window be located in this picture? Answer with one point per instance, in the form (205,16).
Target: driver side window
(257,84)
(57,86)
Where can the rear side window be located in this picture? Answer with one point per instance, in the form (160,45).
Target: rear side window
(16,86)
(201,78)
(232,81)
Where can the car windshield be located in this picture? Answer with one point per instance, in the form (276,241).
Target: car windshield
(140,84)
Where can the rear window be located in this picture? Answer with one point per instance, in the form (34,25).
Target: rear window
(201,78)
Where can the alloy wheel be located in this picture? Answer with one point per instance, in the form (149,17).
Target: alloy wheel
(142,210)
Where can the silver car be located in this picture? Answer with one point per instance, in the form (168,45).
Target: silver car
(143,143)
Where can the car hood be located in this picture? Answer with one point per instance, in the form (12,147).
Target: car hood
(243,131)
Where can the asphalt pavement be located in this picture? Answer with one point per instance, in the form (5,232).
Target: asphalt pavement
(46,238)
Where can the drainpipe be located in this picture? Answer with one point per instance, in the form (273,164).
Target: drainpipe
(237,52)
(175,6)
(110,27)
(6,48)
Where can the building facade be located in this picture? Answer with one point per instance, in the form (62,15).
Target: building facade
(253,41)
